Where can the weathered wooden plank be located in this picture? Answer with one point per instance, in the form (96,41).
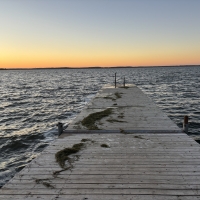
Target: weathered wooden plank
(101,186)
(110,172)
(99,197)
(107,191)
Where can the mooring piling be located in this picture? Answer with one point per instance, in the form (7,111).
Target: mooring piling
(115,80)
(60,128)
(185,124)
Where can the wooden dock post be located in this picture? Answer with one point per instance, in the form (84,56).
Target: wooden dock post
(124,81)
(185,124)
(60,128)
(115,80)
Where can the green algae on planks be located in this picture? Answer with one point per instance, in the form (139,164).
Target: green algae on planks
(114,120)
(105,146)
(46,184)
(63,155)
(118,95)
(89,121)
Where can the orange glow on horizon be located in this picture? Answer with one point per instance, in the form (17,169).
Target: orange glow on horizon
(43,57)
(100,61)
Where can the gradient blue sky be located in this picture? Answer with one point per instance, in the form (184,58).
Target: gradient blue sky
(79,33)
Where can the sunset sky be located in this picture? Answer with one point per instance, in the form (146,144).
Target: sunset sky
(85,33)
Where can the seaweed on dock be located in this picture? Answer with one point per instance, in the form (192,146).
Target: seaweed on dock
(139,137)
(112,98)
(87,140)
(105,146)
(121,115)
(90,120)
(46,184)
(77,125)
(63,155)
(123,131)
(126,87)
(118,95)
(136,136)
(114,120)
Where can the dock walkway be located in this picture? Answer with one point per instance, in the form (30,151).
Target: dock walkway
(135,152)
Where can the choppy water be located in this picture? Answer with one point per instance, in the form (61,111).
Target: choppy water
(32,102)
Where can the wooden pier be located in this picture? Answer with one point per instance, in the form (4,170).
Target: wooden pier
(133,151)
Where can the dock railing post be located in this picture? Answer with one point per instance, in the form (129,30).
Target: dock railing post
(115,80)
(124,81)
(185,124)
(60,128)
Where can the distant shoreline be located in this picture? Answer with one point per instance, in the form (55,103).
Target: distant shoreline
(98,67)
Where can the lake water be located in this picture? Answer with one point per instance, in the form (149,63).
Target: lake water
(32,102)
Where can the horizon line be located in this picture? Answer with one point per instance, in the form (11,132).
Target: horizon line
(94,67)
